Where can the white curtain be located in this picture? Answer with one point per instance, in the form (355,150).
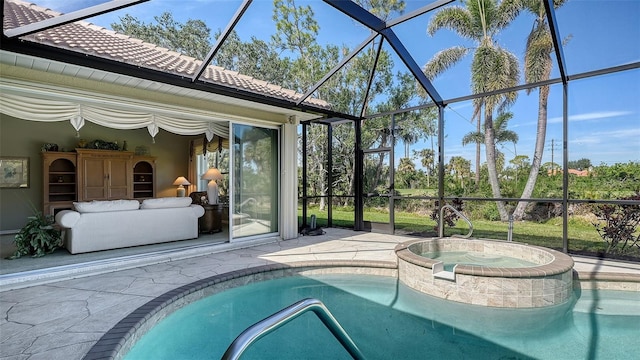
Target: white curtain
(37,109)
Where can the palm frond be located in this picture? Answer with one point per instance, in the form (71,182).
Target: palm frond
(537,59)
(500,123)
(494,68)
(455,18)
(473,138)
(444,60)
(507,136)
(507,11)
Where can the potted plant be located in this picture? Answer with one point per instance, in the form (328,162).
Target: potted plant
(38,237)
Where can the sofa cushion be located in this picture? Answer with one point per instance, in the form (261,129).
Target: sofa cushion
(106,205)
(166,202)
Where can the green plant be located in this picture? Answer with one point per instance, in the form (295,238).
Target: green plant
(450,218)
(38,237)
(618,224)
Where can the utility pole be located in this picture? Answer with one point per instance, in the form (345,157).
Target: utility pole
(553,148)
(553,165)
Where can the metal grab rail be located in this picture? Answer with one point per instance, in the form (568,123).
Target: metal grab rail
(275,321)
(245,202)
(441,225)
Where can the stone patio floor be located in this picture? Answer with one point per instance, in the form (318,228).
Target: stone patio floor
(62,318)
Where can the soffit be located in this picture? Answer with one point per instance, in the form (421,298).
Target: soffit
(49,72)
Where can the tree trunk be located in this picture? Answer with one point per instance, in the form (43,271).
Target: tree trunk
(541,134)
(490,146)
(376,179)
(352,183)
(478,154)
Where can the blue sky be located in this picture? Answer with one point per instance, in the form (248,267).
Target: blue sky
(604,112)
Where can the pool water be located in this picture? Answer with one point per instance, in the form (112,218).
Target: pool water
(388,320)
(450,258)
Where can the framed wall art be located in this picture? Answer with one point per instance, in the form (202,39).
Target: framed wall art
(14,172)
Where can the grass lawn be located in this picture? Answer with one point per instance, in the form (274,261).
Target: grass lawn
(582,235)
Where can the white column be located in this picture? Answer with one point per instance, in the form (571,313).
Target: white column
(289,180)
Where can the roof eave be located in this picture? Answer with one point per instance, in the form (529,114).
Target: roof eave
(57,54)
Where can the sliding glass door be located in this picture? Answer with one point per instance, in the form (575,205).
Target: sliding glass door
(255,179)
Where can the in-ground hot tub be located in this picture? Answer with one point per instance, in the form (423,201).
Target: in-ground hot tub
(486,272)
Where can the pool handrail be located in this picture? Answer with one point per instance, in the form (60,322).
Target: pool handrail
(460,214)
(280,318)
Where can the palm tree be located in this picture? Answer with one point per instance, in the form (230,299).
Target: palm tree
(537,67)
(427,157)
(502,134)
(459,168)
(493,68)
(406,171)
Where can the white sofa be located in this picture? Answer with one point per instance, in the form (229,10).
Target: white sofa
(103,225)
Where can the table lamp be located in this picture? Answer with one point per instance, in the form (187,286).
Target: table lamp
(213,175)
(181,181)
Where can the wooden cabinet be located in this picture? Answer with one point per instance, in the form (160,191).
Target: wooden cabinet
(144,177)
(89,174)
(104,174)
(60,188)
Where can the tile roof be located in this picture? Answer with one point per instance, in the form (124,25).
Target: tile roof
(87,38)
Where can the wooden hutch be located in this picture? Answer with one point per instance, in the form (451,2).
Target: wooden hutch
(89,174)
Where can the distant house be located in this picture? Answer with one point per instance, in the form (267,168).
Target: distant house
(576,172)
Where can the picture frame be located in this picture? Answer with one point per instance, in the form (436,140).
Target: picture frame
(14,172)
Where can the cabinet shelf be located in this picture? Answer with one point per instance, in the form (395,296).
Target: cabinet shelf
(60,188)
(144,177)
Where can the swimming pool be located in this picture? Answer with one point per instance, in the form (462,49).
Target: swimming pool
(388,320)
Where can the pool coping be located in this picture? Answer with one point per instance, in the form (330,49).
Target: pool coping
(116,342)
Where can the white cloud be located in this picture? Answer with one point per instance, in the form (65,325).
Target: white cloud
(591,116)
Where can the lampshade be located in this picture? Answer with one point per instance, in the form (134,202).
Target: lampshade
(181,180)
(212,174)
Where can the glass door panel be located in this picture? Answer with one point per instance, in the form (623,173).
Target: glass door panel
(256,182)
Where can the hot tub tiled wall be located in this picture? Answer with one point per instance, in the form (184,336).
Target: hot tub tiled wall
(549,283)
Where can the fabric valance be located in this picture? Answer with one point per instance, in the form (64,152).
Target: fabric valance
(38,109)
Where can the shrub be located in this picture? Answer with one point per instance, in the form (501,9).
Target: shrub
(450,217)
(617,225)
(38,237)
(490,212)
